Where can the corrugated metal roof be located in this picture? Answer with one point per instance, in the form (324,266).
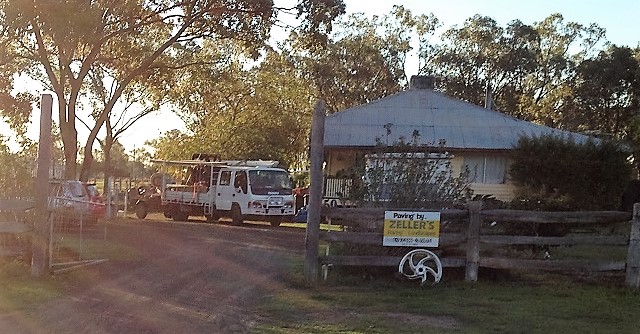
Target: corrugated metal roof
(436,117)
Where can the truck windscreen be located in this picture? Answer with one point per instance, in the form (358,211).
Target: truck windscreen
(270,182)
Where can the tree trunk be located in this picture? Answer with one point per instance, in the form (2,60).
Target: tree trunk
(85,169)
(69,139)
(107,160)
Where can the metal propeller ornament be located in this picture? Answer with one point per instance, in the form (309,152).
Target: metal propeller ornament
(421,264)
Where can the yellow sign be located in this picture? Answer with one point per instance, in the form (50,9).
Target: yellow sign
(406,228)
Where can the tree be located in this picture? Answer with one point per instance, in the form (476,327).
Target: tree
(481,54)
(60,42)
(561,48)
(606,92)
(141,98)
(529,68)
(13,108)
(363,61)
(119,165)
(265,111)
(173,145)
(237,113)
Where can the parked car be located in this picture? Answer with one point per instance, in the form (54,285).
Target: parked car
(69,197)
(97,207)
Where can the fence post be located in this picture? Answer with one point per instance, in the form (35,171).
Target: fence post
(633,255)
(315,194)
(473,241)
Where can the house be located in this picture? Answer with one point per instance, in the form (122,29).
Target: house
(478,138)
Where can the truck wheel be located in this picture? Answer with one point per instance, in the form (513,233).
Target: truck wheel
(236,215)
(180,216)
(275,222)
(213,218)
(141,210)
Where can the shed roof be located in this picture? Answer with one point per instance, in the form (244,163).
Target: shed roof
(440,120)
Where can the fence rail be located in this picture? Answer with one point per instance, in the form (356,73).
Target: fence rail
(364,226)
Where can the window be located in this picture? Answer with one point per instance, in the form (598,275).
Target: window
(225,178)
(489,169)
(241,181)
(270,182)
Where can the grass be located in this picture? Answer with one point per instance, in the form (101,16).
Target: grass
(97,248)
(352,303)
(20,290)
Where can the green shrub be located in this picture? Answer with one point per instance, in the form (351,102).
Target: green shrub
(407,175)
(558,174)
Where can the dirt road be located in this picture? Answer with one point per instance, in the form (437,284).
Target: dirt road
(185,278)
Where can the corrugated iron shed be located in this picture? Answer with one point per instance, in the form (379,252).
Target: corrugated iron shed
(437,119)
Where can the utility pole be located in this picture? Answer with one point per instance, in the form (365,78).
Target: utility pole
(315,194)
(40,240)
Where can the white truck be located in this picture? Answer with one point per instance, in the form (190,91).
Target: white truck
(251,190)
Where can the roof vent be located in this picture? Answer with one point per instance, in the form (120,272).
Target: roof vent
(422,82)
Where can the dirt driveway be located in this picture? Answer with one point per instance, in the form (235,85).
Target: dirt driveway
(186,278)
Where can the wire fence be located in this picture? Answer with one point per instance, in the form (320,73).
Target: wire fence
(77,238)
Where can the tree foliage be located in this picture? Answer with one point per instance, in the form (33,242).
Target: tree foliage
(563,174)
(606,97)
(15,175)
(61,42)
(364,60)
(529,68)
(238,113)
(265,111)
(111,63)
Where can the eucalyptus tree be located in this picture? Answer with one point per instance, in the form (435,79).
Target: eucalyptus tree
(139,99)
(247,111)
(238,112)
(606,94)
(61,41)
(529,68)
(13,108)
(481,54)
(606,97)
(119,163)
(363,60)
(562,47)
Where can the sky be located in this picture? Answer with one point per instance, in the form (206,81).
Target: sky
(620,18)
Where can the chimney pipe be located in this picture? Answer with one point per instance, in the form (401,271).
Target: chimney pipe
(422,82)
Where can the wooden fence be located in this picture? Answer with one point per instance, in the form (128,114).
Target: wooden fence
(477,239)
